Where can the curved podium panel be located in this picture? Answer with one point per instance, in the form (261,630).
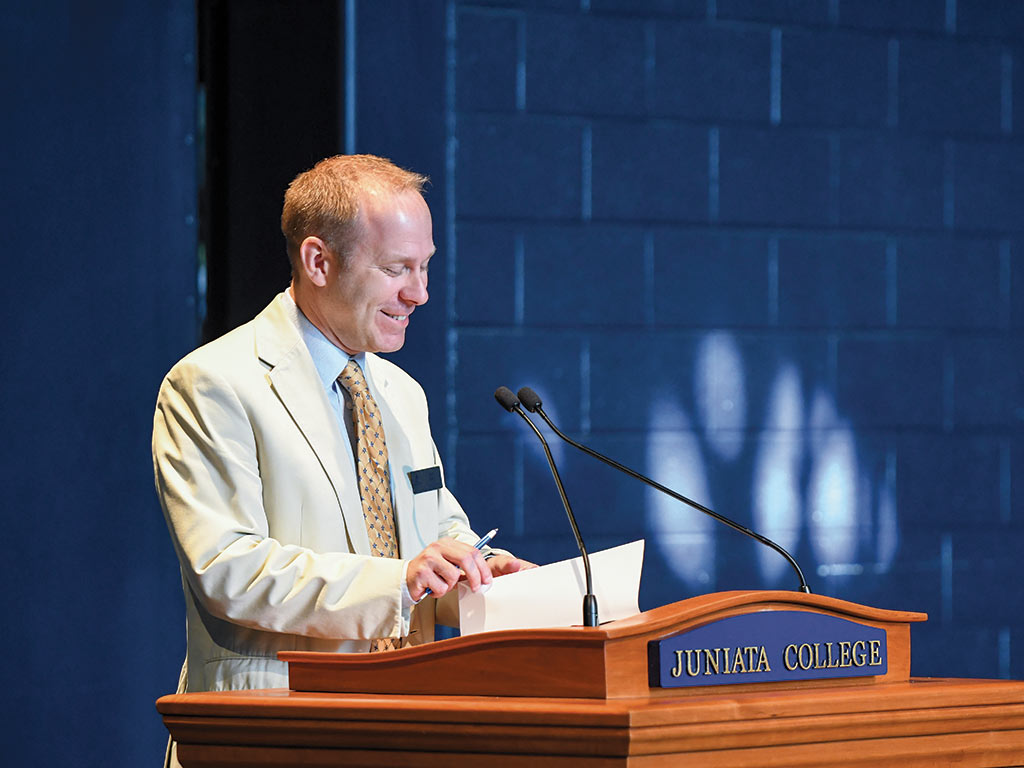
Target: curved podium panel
(607,662)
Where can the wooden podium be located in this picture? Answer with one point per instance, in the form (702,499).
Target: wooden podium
(591,697)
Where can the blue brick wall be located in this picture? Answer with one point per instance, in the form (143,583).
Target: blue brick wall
(772,253)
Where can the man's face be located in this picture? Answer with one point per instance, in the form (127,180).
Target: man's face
(370,299)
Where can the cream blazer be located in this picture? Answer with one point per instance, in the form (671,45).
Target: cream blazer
(264,513)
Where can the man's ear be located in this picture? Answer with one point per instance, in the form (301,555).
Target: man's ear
(314,261)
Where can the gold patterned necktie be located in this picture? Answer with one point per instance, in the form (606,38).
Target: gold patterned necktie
(373,475)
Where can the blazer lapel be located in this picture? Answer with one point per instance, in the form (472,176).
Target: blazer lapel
(295,381)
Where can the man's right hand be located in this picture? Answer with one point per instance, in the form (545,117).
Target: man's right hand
(442,565)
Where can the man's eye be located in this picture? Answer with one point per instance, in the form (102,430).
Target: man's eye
(392,271)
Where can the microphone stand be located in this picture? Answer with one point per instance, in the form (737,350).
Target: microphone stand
(532,402)
(508,401)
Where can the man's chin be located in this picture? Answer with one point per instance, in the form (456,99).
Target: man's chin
(390,345)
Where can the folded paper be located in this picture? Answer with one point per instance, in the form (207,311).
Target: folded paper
(552,595)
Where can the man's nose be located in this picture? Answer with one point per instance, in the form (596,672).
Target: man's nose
(415,289)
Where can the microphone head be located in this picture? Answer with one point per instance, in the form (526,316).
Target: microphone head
(505,398)
(529,399)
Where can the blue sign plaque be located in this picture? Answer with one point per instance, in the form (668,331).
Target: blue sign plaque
(768,646)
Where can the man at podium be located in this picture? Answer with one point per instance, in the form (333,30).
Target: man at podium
(296,470)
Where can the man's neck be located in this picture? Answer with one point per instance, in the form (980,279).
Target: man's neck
(308,308)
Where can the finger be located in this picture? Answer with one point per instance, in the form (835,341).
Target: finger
(420,583)
(472,564)
(503,564)
(469,560)
(441,579)
(431,569)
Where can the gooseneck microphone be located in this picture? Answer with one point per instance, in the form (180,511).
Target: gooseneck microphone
(508,401)
(533,404)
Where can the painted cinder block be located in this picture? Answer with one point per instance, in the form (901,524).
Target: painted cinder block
(894,15)
(989,182)
(681,8)
(711,279)
(799,11)
(958,650)
(774,176)
(832,282)
(485,78)
(999,18)
(711,72)
(606,504)
(482,476)
(552,5)
(485,256)
(617,500)
(737,559)
(660,585)
(547,362)
(519,167)
(741,376)
(988,381)
(719,380)
(891,181)
(650,171)
(948,480)
(729,474)
(543,512)
(886,381)
(560,264)
(986,570)
(1016,470)
(660,366)
(950,85)
(1015,258)
(1011,123)
(949,283)
(834,78)
(543,548)
(913,581)
(584,65)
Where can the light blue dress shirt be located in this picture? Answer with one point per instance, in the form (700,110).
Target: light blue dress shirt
(329,361)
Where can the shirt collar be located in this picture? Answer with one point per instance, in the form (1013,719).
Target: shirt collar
(328,359)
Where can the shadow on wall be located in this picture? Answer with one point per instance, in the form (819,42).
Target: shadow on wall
(809,492)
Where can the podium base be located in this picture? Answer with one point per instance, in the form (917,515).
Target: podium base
(923,722)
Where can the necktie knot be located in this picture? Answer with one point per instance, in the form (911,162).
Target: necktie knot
(352,379)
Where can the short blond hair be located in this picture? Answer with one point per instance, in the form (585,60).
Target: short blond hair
(325,201)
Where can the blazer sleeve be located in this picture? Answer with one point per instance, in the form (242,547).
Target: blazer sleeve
(206,463)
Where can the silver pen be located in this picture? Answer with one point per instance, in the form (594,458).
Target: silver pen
(486,538)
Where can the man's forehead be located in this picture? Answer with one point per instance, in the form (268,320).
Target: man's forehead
(397,228)
(376,198)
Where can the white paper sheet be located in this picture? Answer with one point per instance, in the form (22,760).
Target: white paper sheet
(552,595)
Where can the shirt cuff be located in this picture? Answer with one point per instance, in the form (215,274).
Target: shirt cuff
(407,601)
